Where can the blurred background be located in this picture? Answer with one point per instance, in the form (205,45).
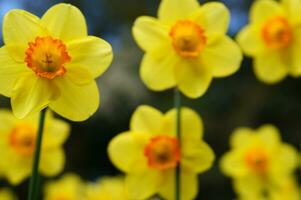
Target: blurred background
(239,100)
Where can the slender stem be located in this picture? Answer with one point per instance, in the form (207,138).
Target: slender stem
(34,180)
(177,102)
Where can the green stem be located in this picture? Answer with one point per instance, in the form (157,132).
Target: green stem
(177,101)
(34,180)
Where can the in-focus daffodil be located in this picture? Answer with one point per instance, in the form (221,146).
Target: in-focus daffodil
(107,188)
(259,162)
(273,39)
(51,61)
(186,46)
(17,144)
(149,152)
(7,194)
(69,187)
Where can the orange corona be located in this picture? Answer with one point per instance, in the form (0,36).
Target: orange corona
(46,57)
(188,38)
(256,160)
(162,152)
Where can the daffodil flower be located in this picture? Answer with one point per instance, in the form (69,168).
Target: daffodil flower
(17,144)
(259,162)
(51,61)
(273,39)
(149,153)
(186,46)
(70,186)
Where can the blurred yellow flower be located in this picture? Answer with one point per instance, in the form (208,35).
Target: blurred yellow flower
(149,152)
(51,62)
(186,46)
(69,187)
(273,39)
(259,162)
(107,188)
(288,190)
(6,194)
(17,144)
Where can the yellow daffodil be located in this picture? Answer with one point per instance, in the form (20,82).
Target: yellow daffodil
(17,144)
(69,187)
(273,39)
(259,162)
(186,46)
(149,152)
(51,61)
(6,194)
(107,188)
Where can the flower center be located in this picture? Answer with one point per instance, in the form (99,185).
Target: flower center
(22,139)
(257,160)
(188,38)
(277,33)
(162,152)
(46,57)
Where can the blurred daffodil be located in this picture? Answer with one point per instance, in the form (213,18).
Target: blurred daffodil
(17,144)
(7,194)
(273,39)
(259,162)
(51,61)
(107,188)
(69,187)
(186,46)
(149,152)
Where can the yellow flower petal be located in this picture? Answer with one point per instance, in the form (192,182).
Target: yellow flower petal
(172,10)
(126,152)
(158,72)
(191,124)
(192,80)
(270,68)
(76,103)
(16,174)
(142,185)
(31,94)
(240,137)
(150,34)
(146,119)
(232,164)
(10,71)
(7,194)
(197,156)
(21,27)
(65,22)
(295,68)
(222,56)
(270,135)
(7,121)
(52,162)
(249,39)
(214,17)
(92,53)
(79,75)
(264,9)
(292,7)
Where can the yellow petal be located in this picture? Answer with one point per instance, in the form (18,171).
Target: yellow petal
(192,80)
(52,161)
(172,10)
(31,94)
(8,121)
(191,124)
(146,119)
(21,27)
(142,185)
(270,135)
(18,172)
(9,72)
(270,68)
(295,68)
(250,188)
(76,103)
(65,21)
(150,34)
(126,152)
(232,164)
(79,75)
(249,39)
(214,17)
(197,156)
(158,72)
(264,9)
(92,53)
(292,7)
(240,137)
(222,56)
(7,194)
